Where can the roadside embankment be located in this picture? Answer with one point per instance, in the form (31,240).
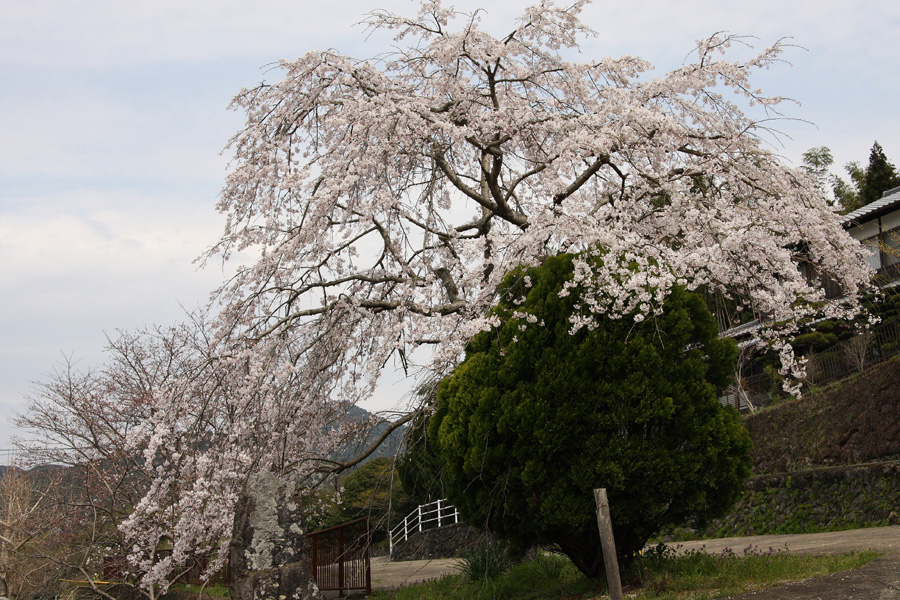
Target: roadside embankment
(826,462)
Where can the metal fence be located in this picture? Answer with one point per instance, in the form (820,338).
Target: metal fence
(866,349)
(426,516)
(340,557)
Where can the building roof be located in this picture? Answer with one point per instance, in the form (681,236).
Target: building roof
(889,201)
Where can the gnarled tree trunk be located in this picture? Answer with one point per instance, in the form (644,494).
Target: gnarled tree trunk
(270,556)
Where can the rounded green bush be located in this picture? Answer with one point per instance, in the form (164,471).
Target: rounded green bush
(536,417)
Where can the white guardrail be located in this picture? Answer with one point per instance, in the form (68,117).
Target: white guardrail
(427,516)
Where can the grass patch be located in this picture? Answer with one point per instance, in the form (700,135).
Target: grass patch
(549,577)
(660,574)
(663,575)
(193,591)
(486,562)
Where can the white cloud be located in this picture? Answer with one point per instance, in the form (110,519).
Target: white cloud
(104,33)
(101,33)
(80,130)
(80,229)
(78,264)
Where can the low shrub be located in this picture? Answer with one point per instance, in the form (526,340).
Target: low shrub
(487,561)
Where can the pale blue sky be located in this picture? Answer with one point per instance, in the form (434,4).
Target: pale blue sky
(112,120)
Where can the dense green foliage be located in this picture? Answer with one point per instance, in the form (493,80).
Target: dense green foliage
(536,417)
(374,490)
(880,176)
(371,490)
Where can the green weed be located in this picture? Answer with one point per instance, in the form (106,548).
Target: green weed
(661,573)
(485,562)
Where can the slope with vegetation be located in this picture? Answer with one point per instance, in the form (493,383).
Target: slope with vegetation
(829,461)
(855,421)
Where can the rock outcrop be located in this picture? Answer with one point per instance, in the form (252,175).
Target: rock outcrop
(270,558)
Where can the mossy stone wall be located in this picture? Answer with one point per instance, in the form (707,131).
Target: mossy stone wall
(450,541)
(828,499)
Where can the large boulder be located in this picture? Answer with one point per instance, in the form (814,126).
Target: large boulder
(270,556)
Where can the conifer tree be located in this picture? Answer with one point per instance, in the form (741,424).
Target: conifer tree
(865,185)
(880,176)
(536,417)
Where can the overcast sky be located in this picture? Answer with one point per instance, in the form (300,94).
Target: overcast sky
(113,119)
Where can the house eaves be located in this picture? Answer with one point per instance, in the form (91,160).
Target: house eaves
(889,202)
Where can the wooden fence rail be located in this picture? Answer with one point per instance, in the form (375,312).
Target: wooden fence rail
(340,557)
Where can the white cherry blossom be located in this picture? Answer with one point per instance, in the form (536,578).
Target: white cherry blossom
(386,199)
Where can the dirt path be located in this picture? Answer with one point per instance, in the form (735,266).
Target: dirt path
(883,539)
(388,575)
(879,580)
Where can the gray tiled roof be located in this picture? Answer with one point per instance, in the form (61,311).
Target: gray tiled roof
(891,199)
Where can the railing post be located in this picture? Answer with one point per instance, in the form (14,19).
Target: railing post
(422,514)
(340,561)
(315,558)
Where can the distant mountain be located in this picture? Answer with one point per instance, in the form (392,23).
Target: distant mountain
(390,446)
(355,414)
(43,472)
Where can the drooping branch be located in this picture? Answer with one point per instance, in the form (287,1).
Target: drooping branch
(335,467)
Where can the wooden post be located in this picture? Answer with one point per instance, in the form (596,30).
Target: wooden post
(608,544)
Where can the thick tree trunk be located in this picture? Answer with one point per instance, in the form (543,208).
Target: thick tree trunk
(586,553)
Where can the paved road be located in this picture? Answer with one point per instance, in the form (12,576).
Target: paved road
(879,580)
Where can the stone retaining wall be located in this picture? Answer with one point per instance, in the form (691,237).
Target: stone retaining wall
(449,541)
(810,501)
